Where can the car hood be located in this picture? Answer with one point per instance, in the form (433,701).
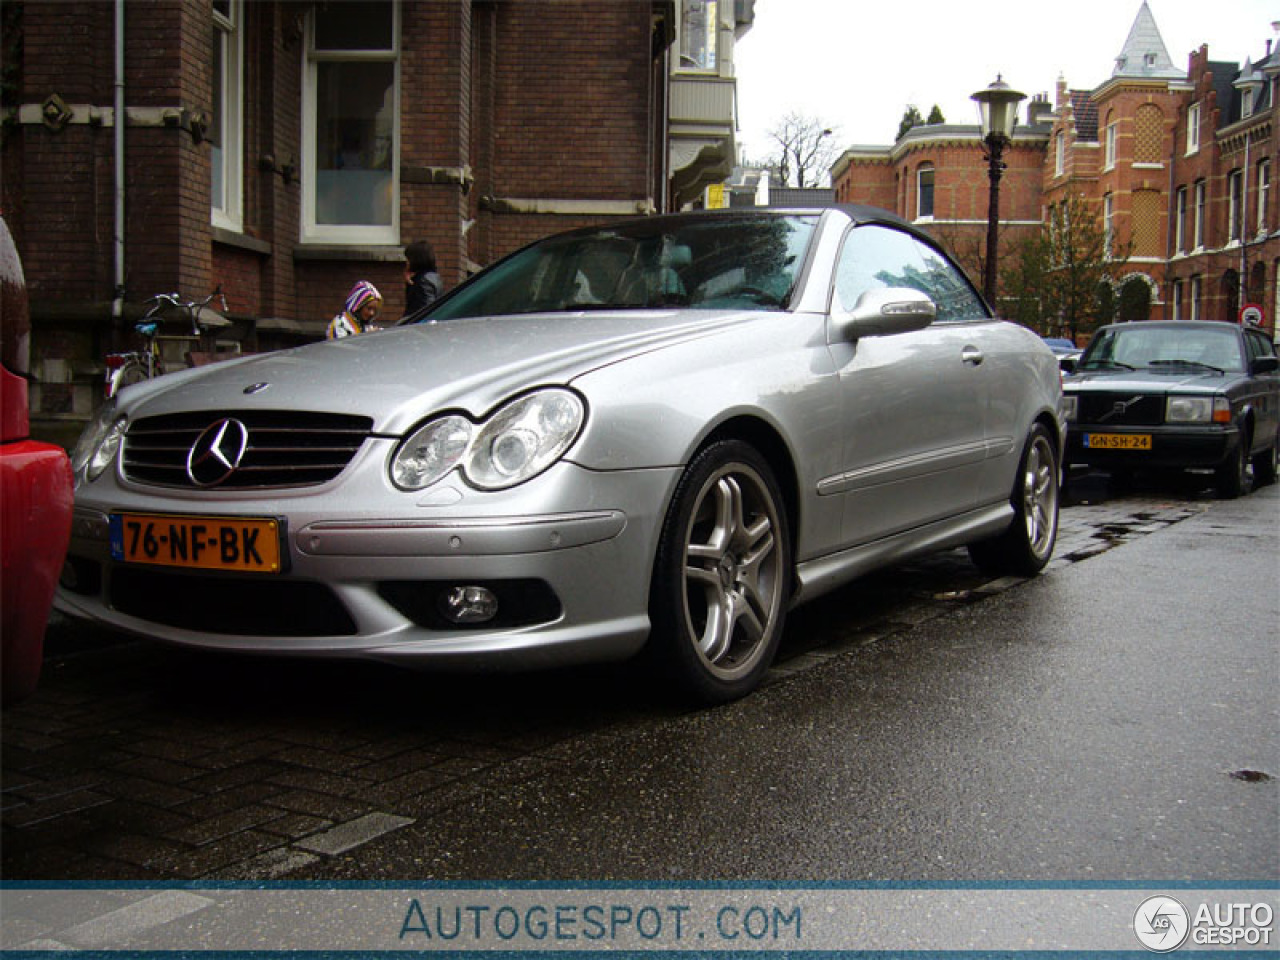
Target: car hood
(399,375)
(1169,380)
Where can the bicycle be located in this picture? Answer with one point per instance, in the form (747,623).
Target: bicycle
(134,366)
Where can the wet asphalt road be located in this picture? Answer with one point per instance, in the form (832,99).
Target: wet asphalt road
(1116,718)
(1106,722)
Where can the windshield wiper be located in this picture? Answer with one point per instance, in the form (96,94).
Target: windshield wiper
(1186,363)
(1105,363)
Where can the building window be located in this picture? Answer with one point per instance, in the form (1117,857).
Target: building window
(226,159)
(1109,160)
(1200,199)
(1059,153)
(924,192)
(1108,223)
(1246,102)
(1235,206)
(1178,305)
(1193,129)
(1180,222)
(1264,195)
(351,148)
(698,23)
(1194,306)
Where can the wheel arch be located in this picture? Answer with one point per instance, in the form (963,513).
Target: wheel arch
(764,438)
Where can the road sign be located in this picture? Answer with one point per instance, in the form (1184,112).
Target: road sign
(1251,315)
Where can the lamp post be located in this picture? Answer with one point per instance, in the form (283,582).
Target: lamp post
(998,109)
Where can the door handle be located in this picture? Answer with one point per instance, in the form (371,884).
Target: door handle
(971,355)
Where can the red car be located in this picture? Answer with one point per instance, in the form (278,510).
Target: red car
(35,496)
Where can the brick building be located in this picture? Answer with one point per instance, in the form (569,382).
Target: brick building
(1176,163)
(283,149)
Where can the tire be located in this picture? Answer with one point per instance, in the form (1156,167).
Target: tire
(1024,548)
(1265,464)
(130,372)
(1230,479)
(722,576)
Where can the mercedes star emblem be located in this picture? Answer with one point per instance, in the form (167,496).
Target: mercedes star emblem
(217,453)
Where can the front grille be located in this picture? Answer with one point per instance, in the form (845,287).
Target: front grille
(285,449)
(1139,410)
(230,605)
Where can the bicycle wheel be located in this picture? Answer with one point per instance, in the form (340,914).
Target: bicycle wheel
(130,372)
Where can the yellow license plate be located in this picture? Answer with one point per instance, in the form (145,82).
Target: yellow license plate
(242,544)
(1118,441)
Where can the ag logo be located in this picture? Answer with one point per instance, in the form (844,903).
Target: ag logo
(1161,923)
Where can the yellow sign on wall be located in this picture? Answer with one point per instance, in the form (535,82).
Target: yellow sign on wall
(717,198)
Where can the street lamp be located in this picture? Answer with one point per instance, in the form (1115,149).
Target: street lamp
(998,108)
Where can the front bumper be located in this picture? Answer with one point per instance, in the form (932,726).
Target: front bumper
(572,584)
(1182,446)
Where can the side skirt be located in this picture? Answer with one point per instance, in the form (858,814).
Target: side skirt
(824,574)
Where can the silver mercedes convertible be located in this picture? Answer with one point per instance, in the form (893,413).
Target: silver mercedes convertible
(649,437)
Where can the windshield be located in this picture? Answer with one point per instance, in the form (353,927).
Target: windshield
(718,262)
(1142,347)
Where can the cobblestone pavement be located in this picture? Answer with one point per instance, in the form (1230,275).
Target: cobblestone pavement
(134,761)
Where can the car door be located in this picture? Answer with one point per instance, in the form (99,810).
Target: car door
(1265,392)
(913,404)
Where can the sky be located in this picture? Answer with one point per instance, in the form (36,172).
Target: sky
(855,65)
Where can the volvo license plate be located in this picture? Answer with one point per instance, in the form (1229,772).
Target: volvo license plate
(1118,441)
(241,544)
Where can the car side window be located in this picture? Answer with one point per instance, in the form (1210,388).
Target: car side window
(1259,346)
(874,257)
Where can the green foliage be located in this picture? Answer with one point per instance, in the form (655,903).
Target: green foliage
(911,117)
(935,116)
(1135,301)
(1055,281)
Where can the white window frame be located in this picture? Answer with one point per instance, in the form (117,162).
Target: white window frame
(1180,221)
(1246,102)
(1177,299)
(933,183)
(1201,198)
(1195,298)
(1235,206)
(1264,195)
(712,9)
(1109,161)
(1060,154)
(229,214)
(357,234)
(1193,129)
(1108,224)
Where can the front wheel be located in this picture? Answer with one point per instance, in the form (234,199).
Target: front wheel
(1231,479)
(1027,545)
(722,576)
(1265,464)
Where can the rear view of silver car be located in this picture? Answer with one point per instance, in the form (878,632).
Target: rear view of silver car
(654,436)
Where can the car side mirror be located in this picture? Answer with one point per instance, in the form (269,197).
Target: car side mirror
(1264,365)
(1068,364)
(886,311)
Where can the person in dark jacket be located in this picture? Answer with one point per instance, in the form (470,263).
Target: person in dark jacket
(421,282)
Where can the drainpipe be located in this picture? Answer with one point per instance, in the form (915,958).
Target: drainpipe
(117,302)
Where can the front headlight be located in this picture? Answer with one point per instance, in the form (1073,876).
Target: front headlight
(1197,410)
(515,444)
(99,442)
(430,452)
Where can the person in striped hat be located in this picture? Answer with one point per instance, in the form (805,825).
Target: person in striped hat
(364,302)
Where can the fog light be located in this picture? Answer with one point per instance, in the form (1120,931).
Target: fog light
(469,604)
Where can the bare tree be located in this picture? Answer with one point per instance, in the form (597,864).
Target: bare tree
(805,149)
